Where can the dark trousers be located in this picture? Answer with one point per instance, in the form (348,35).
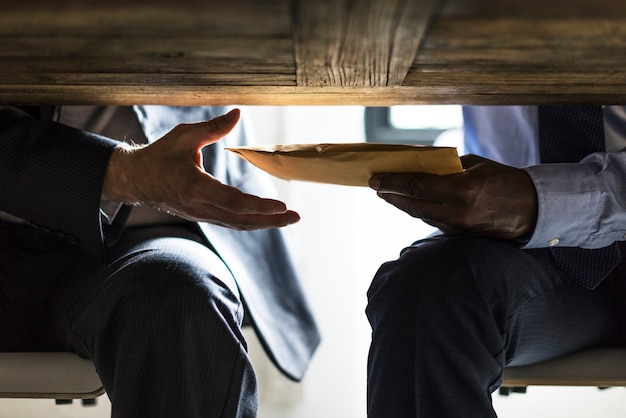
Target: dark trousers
(160,317)
(451,312)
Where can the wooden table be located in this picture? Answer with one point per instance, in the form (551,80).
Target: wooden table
(326,52)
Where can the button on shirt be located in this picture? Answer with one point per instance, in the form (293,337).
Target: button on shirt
(580,205)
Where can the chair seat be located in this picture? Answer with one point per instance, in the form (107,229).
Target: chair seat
(48,375)
(602,367)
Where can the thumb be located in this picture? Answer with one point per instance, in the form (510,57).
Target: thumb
(222,125)
(215,129)
(470,160)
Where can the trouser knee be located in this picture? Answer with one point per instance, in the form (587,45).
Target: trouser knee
(180,288)
(159,292)
(423,275)
(444,276)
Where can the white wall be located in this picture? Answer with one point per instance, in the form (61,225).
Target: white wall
(344,235)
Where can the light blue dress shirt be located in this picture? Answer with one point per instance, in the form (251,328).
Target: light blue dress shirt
(581,204)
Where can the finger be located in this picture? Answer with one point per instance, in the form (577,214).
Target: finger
(222,125)
(470,160)
(226,218)
(253,222)
(435,214)
(419,186)
(205,133)
(423,209)
(211,191)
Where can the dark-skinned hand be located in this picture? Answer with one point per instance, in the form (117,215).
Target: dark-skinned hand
(485,199)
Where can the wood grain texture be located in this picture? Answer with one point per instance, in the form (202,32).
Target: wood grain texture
(358,43)
(525,59)
(82,47)
(298,52)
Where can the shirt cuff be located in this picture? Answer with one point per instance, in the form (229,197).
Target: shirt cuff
(108,211)
(566,194)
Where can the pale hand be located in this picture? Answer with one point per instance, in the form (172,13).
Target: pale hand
(168,175)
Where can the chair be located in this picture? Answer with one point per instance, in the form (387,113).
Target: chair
(60,376)
(66,376)
(601,367)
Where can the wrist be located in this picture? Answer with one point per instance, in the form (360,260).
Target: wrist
(119,179)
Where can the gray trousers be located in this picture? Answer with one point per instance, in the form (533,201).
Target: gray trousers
(451,312)
(160,317)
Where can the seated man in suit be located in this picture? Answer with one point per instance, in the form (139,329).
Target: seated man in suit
(528,267)
(130,236)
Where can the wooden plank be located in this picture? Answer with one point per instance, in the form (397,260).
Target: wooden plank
(515,41)
(435,90)
(358,43)
(328,52)
(147,18)
(535,9)
(89,44)
(87,48)
(518,58)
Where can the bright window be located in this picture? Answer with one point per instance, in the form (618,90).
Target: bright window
(419,124)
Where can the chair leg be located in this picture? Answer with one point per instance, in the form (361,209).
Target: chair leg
(507,390)
(84,402)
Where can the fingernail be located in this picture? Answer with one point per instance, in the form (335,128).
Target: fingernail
(231,115)
(293,217)
(374,183)
(279,208)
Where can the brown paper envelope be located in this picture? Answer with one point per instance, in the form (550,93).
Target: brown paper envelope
(350,164)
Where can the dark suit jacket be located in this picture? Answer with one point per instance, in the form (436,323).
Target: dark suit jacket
(51,175)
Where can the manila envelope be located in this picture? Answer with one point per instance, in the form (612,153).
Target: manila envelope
(349,164)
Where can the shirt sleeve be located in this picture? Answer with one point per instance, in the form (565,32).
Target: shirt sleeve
(582,204)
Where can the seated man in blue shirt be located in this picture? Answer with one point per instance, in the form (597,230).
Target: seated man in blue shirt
(528,266)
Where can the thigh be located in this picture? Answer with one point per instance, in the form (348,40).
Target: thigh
(161,317)
(445,272)
(516,299)
(451,312)
(565,318)
(150,267)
